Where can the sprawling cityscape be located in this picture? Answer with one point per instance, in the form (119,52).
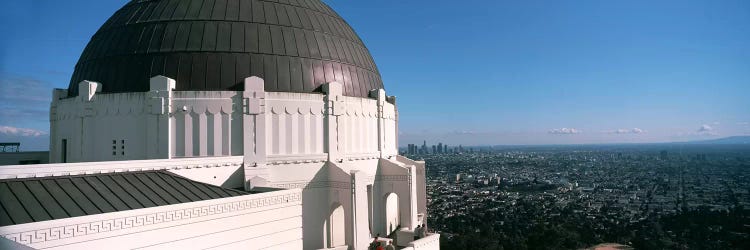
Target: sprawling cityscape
(646,196)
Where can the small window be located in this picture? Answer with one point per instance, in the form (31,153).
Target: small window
(122,147)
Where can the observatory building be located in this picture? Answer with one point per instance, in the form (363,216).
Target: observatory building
(220,124)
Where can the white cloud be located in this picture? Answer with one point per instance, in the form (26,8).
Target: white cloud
(565,131)
(628,131)
(715,123)
(13,131)
(705,129)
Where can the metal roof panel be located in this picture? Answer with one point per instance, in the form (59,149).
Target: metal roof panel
(47,198)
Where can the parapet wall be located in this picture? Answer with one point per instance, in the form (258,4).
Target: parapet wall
(271,219)
(265,127)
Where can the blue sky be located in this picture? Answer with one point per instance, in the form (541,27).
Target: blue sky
(475,72)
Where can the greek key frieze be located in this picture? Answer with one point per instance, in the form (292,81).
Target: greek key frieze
(115,224)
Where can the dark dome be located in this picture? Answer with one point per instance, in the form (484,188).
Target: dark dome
(295,45)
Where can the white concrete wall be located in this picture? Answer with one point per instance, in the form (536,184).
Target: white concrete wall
(406,240)
(136,126)
(394,177)
(359,126)
(391,129)
(294,126)
(162,123)
(326,183)
(266,220)
(431,242)
(90,127)
(323,184)
(421,186)
(202,123)
(312,141)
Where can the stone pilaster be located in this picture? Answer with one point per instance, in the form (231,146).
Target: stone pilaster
(334,108)
(412,175)
(392,99)
(54,141)
(158,132)
(86,92)
(254,132)
(379,95)
(359,212)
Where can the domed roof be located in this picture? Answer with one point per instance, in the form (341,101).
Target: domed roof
(295,45)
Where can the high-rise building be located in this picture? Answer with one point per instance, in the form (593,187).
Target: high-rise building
(412,149)
(440,148)
(181,129)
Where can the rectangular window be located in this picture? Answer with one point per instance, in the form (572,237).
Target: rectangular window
(64,151)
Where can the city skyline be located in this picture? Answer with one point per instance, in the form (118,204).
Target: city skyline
(499,73)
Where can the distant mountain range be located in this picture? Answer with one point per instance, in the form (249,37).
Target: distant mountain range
(725,140)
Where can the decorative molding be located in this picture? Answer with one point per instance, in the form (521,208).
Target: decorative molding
(296,159)
(111,225)
(313,184)
(298,109)
(62,169)
(392,178)
(362,156)
(202,105)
